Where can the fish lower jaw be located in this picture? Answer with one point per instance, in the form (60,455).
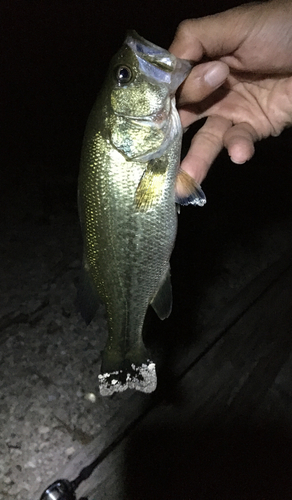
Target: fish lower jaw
(140,378)
(158,119)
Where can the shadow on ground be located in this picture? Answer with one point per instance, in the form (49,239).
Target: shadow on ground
(190,462)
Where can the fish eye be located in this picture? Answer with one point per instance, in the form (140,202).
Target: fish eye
(123,75)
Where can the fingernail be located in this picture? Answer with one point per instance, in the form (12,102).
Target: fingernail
(216,75)
(236,161)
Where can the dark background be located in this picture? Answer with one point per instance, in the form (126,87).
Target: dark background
(53,58)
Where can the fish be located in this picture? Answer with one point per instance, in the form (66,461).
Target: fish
(127,207)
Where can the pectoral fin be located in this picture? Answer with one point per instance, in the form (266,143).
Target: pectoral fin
(151,185)
(162,301)
(188,191)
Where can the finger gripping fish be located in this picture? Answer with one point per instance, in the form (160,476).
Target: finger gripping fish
(126,197)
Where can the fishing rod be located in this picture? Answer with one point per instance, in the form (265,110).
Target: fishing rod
(62,489)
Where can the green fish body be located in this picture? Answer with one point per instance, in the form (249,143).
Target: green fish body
(129,163)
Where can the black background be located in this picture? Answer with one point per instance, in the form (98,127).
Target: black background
(53,59)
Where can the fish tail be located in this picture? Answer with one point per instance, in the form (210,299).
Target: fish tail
(140,377)
(122,370)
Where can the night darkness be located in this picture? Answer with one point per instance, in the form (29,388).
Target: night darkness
(54,56)
(53,60)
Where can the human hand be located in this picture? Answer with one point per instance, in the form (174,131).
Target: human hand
(245,87)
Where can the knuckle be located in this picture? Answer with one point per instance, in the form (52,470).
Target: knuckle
(208,137)
(184,28)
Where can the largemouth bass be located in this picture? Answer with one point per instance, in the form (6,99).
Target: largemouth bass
(129,163)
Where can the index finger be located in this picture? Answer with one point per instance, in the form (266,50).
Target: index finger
(211,36)
(186,44)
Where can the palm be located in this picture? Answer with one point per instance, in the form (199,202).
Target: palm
(251,48)
(245,109)
(263,103)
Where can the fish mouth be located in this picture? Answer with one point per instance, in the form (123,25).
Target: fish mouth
(158,63)
(158,118)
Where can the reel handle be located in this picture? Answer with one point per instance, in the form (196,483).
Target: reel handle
(62,489)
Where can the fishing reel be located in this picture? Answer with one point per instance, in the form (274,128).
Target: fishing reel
(62,489)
